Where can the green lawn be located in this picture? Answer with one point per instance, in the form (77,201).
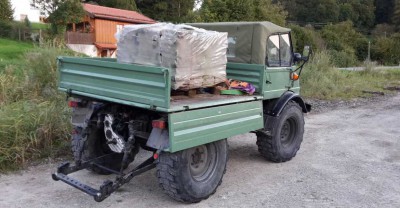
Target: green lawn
(11,52)
(40,26)
(11,49)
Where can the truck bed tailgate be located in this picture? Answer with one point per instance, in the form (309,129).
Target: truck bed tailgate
(116,82)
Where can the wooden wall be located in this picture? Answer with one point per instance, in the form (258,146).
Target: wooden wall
(106,29)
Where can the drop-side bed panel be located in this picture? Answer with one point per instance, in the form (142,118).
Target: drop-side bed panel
(192,128)
(122,83)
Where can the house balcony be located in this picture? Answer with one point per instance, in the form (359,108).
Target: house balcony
(79,38)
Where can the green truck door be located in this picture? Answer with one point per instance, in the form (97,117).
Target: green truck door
(279,65)
(192,128)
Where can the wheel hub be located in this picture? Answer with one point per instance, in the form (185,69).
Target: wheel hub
(114,141)
(202,161)
(285,131)
(288,132)
(197,157)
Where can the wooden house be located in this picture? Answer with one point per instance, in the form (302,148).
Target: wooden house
(99,25)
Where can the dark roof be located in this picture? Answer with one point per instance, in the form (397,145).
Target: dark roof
(102,12)
(105,45)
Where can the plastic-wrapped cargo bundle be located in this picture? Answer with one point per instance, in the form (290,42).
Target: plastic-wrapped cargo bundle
(196,57)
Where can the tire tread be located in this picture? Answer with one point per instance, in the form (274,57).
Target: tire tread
(268,149)
(168,166)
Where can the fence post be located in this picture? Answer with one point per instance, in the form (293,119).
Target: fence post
(19,34)
(369,51)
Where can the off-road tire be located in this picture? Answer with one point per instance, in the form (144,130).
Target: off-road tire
(278,146)
(176,178)
(95,146)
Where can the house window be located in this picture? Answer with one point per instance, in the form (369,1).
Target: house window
(23,17)
(119,28)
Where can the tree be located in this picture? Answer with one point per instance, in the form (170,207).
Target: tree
(343,37)
(265,10)
(384,11)
(167,10)
(126,4)
(47,6)
(120,4)
(28,23)
(242,10)
(396,15)
(69,11)
(6,11)
(360,12)
(319,11)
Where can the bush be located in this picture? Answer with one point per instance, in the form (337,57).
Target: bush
(6,29)
(302,36)
(386,50)
(343,58)
(383,30)
(31,129)
(18,28)
(343,36)
(33,114)
(321,80)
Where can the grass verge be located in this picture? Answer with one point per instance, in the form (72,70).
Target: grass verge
(321,80)
(34,118)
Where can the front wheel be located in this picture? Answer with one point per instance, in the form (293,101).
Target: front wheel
(285,136)
(193,174)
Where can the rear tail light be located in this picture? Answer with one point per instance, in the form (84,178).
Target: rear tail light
(155,156)
(73,104)
(74,131)
(159,124)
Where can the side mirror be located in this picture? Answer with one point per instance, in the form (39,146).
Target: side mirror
(297,57)
(306,53)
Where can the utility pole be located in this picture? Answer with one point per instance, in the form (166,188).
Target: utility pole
(369,51)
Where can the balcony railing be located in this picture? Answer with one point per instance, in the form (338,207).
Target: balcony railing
(79,38)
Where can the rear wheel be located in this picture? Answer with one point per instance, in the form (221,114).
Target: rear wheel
(96,146)
(194,174)
(285,137)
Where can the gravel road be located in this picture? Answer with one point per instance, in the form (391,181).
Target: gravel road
(350,157)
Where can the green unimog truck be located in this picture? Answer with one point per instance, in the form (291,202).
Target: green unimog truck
(120,108)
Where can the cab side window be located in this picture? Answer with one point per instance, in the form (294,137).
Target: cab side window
(273,51)
(279,51)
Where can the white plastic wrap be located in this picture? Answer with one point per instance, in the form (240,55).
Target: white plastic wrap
(196,57)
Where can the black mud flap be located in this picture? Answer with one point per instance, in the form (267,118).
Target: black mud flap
(108,187)
(287,97)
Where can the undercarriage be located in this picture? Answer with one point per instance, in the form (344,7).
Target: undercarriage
(108,187)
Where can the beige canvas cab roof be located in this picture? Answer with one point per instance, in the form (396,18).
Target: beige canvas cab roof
(247,40)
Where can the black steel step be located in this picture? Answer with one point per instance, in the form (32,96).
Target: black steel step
(77,184)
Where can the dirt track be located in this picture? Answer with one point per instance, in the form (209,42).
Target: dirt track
(350,157)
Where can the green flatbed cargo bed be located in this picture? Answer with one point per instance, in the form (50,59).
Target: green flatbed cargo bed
(150,87)
(140,86)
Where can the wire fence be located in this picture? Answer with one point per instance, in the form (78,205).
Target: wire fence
(375,68)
